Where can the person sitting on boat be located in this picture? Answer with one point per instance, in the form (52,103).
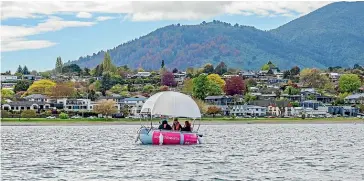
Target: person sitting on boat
(165,125)
(176,126)
(187,126)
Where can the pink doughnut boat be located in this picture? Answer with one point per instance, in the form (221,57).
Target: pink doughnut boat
(171,104)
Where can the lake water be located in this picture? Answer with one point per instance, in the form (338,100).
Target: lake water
(231,152)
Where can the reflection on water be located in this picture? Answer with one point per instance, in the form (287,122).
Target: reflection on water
(230,152)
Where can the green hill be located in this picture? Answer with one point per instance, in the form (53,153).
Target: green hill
(335,31)
(330,36)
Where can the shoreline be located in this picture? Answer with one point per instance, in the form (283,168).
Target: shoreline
(16,122)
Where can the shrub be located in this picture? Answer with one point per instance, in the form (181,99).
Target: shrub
(28,114)
(63,116)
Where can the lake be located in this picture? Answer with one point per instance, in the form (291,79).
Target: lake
(231,152)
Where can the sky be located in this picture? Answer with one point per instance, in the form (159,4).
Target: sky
(36,33)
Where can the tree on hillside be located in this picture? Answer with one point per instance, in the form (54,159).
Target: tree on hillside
(313,78)
(19,70)
(105,107)
(213,89)
(208,68)
(265,67)
(215,78)
(349,83)
(162,64)
(187,86)
(98,71)
(73,68)
(291,90)
(86,72)
(22,85)
(43,86)
(59,65)
(148,89)
(106,83)
(107,63)
(221,68)
(7,94)
(168,79)
(295,70)
(25,70)
(200,88)
(117,89)
(250,82)
(63,89)
(175,70)
(234,85)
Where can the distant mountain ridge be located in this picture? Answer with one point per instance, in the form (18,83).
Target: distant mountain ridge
(319,39)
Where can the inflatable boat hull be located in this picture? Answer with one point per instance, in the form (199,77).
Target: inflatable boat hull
(165,137)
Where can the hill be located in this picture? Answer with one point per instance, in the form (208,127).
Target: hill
(329,36)
(336,32)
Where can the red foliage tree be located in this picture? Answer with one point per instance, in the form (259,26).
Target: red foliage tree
(234,85)
(168,79)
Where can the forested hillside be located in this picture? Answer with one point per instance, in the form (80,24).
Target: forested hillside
(330,36)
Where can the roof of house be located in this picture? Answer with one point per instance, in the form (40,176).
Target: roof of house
(217,97)
(135,99)
(36,96)
(266,103)
(355,96)
(26,103)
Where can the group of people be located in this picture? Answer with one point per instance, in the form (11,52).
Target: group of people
(176,126)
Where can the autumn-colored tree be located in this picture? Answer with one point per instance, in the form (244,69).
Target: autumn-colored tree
(168,79)
(64,89)
(187,86)
(234,85)
(106,107)
(164,88)
(313,78)
(213,110)
(216,79)
(43,86)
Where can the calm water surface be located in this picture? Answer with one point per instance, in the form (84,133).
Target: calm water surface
(231,152)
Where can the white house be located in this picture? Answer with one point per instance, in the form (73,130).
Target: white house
(179,77)
(9,78)
(37,98)
(143,74)
(135,104)
(251,110)
(25,105)
(355,99)
(76,104)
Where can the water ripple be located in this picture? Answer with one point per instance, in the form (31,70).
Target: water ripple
(231,152)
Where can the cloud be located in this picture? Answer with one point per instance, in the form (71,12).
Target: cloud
(152,11)
(83,15)
(104,18)
(14,37)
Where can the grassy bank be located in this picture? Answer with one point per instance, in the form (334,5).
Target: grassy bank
(9,121)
